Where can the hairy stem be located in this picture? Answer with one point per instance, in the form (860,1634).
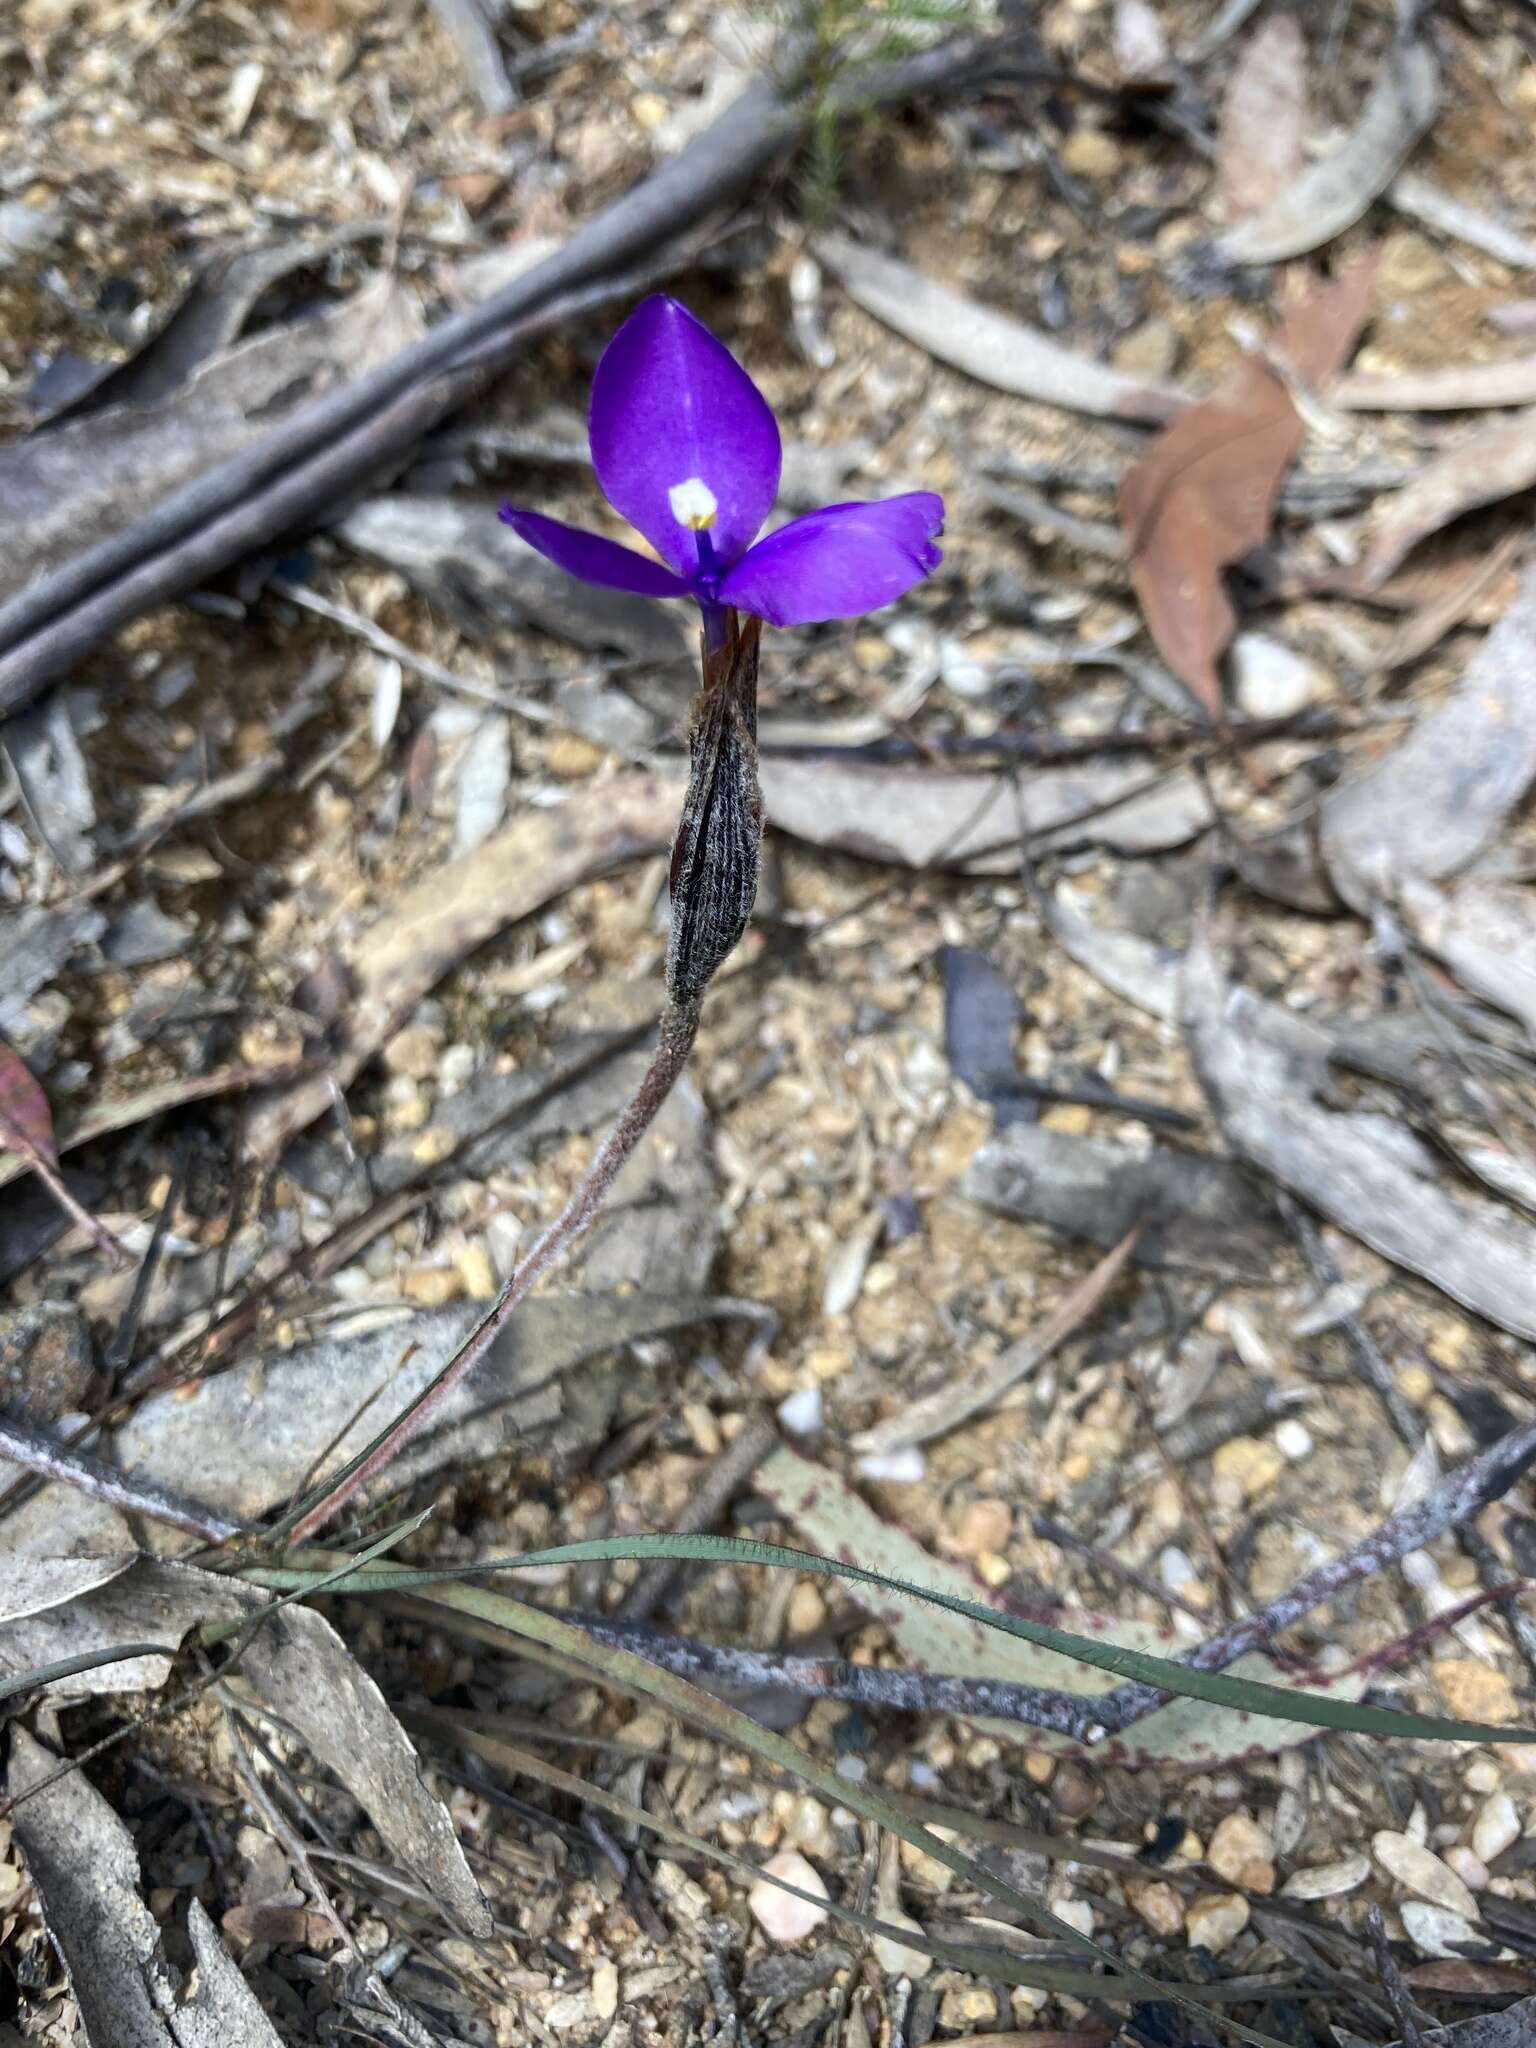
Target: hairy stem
(679,1028)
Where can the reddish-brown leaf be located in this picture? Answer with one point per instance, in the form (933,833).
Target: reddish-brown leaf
(26,1130)
(26,1121)
(1204,493)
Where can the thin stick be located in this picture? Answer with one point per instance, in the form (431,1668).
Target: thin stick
(1392,1981)
(49,1459)
(1408,1425)
(1455,1500)
(679,1028)
(729,1473)
(1089,1717)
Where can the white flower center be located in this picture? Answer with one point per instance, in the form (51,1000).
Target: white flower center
(693,504)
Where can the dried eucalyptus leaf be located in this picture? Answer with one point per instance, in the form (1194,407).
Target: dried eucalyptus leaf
(1262,1069)
(989,346)
(1334,193)
(1428,808)
(84,1864)
(247,1439)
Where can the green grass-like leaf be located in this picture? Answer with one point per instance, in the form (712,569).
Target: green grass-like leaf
(83,1660)
(1219,1688)
(634,1675)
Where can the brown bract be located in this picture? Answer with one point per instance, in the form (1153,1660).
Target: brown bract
(1204,493)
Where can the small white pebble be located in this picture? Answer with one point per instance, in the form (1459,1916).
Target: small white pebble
(1175,1569)
(779,1913)
(1496,1827)
(1436,1932)
(902,1468)
(1077,1913)
(800,1412)
(1294,1439)
(1468,1866)
(853,1768)
(1327,1880)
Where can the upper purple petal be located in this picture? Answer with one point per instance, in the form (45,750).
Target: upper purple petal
(592,558)
(670,403)
(838,562)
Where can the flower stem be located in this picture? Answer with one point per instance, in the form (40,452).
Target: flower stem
(679,1028)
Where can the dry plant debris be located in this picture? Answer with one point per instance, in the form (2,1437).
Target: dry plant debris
(1102,1190)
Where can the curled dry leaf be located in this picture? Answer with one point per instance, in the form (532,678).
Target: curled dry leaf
(1428,808)
(1259,144)
(992,347)
(86,1869)
(1497,463)
(1264,1068)
(1334,193)
(1204,493)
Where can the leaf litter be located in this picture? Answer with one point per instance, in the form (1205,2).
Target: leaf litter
(1204,494)
(828,1118)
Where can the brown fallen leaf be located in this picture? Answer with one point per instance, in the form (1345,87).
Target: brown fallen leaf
(1263,127)
(1204,493)
(1494,464)
(26,1130)
(277,1920)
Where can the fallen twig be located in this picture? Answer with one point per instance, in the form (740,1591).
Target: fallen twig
(1392,1981)
(315,457)
(36,1452)
(1089,1717)
(713,1494)
(1406,1423)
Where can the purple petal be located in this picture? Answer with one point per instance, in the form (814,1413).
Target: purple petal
(592,558)
(670,403)
(838,562)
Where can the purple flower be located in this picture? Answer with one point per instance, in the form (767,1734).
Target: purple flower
(685,446)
